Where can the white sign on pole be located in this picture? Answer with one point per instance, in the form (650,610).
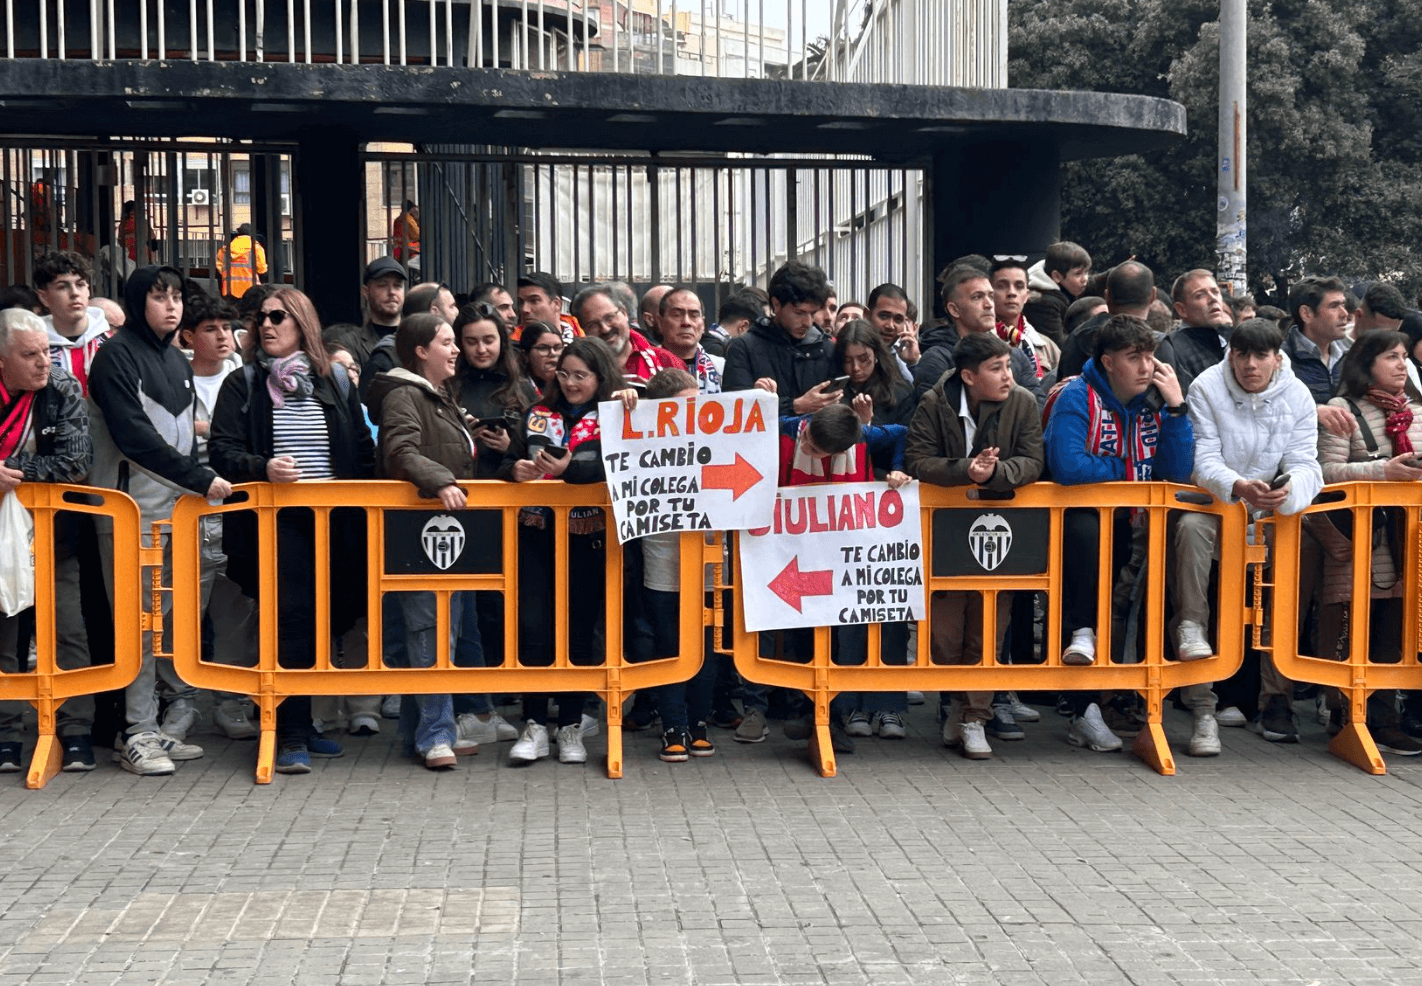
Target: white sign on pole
(834,555)
(705,463)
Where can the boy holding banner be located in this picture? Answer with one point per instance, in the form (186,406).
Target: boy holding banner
(973,427)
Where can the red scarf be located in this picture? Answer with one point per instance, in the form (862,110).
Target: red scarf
(1399,418)
(16,414)
(1016,337)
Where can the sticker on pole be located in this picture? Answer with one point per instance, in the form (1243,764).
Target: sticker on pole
(705,463)
(835,555)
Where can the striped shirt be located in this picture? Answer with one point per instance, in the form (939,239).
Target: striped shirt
(299,430)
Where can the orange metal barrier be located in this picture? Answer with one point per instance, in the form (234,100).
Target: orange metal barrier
(1356,675)
(1035,512)
(48,685)
(384,503)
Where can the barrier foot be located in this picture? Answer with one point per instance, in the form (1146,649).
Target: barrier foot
(266,756)
(614,749)
(1152,747)
(1355,745)
(821,750)
(45,763)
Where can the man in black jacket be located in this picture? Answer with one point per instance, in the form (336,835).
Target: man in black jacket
(1205,326)
(44,438)
(1130,290)
(968,300)
(786,351)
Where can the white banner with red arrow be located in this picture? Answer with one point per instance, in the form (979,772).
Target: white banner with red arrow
(705,463)
(834,555)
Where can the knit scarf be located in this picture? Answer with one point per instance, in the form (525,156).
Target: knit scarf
(287,377)
(1016,337)
(1399,418)
(16,417)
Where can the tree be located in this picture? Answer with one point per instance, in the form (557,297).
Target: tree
(1335,146)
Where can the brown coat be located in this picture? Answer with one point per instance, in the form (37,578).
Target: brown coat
(423,437)
(936,449)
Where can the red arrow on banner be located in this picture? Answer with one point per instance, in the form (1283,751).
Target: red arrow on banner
(737,477)
(791,584)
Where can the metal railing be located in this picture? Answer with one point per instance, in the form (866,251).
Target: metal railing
(926,42)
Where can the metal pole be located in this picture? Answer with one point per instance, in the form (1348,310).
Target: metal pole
(1233,148)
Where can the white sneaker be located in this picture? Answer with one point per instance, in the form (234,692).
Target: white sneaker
(179,720)
(589,726)
(1231,717)
(442,757)
(570,745)
(532,745)
(1206,740)
(952,735)
(469,731)
(1021,712)
(974,741)
(230,716)
(177,749)
(390,707)
(1190,642)
(364,724)
(1082,649)
(506,733)
(142,755)
(1090,730)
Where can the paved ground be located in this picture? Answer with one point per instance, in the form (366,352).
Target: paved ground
(1048,865)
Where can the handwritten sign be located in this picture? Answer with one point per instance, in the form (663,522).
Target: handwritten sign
(705,463)
(835,555)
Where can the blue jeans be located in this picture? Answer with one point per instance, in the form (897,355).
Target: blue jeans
(469,649)
(854,650)
(682,702)
(436,712)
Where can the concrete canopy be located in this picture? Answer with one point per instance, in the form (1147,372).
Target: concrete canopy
(276,101)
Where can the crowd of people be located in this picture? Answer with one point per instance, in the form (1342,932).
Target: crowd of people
(1036,372)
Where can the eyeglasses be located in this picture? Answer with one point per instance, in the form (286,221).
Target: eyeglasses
(548,350)
(1021,258)
(276,316)
(576,376)
(483,309)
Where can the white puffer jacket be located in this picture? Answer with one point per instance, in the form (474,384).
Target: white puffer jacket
(1255,436)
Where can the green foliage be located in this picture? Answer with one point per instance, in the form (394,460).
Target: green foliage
(1334,129)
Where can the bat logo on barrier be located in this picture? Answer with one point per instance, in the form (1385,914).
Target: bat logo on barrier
(990,539)
(443,540)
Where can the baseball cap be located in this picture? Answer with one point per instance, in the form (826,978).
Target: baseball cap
(384,265)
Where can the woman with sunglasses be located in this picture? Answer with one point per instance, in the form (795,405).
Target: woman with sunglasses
(287,416)
(560,439)
(541,345)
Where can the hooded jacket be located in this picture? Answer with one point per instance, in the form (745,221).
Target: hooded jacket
(767,350)
(1239,435)
(1092,438)
(422,433)
(937,451)
(141,411)
(76,356)
(1046,307)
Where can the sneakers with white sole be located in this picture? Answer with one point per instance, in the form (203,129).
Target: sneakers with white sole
(143,755)
(1232,718)
(973,739)
(952,734)
(889,725)
(1205,741)
(1082,649)
(179,720)
(364,724)
(441,757)
(1089,730)
(589,726)
(532,745)
(1021,712)
(1190,642)
(858,724)
(570,745)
